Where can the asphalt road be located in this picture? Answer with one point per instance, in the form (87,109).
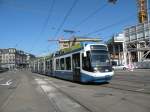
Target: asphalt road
(23,91)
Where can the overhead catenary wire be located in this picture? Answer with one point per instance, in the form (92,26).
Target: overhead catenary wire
(22,7)
(48,17)
(90,16)
(51,7)
(108,26)
(65,18)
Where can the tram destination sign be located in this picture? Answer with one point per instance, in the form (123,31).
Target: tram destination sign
(98,47)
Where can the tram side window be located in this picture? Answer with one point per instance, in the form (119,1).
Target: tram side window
(48,65)
(68,63)
(57,64)
(42,66)
(86,62)
(62,65)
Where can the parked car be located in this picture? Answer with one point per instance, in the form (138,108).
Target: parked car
(120,67)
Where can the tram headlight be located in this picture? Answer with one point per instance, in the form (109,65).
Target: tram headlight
(95,69)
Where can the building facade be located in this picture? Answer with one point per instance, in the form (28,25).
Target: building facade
(137,42)
(133,46)
(137,45)
(12,58)
(115,47)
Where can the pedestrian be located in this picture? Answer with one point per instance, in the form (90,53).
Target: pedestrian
(130,67)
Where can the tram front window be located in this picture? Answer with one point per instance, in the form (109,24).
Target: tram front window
(99,58)
(96,59)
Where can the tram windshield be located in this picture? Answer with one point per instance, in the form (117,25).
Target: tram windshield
(100,58)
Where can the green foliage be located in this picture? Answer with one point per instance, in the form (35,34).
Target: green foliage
(71,48)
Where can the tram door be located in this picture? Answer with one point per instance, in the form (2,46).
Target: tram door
(76,67)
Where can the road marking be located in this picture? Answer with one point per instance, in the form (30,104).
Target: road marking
(41,82)
(7,83)
(60,100)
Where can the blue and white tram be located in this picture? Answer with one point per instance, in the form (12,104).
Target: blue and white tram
(91,63)
(49,66)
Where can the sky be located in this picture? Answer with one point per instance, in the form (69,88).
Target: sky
(28,24)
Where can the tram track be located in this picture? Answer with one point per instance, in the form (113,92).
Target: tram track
(131,80)
(145,78)
(132,76)
(97,91)
(121,87)
(135,81)
(126,88)
(71,97)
